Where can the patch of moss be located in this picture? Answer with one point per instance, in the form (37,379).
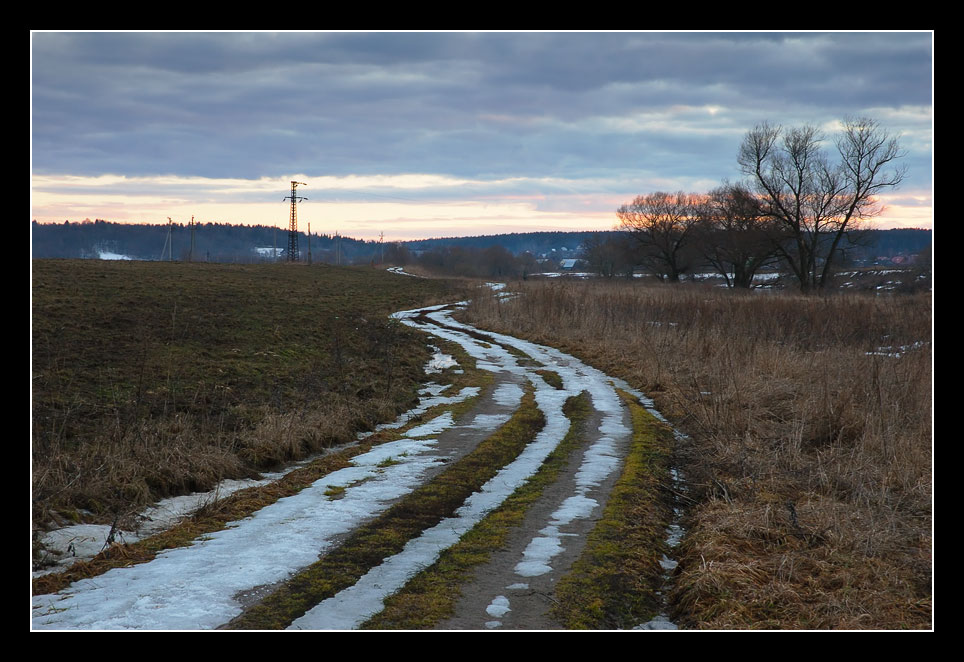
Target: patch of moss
(613,584)
(551,378)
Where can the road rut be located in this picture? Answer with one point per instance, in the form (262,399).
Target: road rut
(198,587)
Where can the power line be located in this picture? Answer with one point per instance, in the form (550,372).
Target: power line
(293,221)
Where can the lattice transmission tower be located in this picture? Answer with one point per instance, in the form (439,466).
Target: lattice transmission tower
(293,223)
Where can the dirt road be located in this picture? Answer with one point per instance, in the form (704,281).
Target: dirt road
(205,586)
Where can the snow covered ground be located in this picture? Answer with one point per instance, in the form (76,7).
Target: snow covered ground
(107,255)
(196,587)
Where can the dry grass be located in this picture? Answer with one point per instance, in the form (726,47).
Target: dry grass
(153,379)
(809,449)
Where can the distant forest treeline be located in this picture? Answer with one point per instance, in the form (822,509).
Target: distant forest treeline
(213,242)
(223,242)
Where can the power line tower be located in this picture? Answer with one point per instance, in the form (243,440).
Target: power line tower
(191,255)
(293,224)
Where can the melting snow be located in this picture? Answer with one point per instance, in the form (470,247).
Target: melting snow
(196,587)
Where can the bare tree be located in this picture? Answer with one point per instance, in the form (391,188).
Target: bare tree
(737,237)
(609,254)
(815,202)
(664,224)
(528,264)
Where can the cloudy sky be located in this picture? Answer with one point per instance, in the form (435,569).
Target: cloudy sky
(433,134)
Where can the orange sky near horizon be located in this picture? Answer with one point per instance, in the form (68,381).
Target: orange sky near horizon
(398,207)
(397,221)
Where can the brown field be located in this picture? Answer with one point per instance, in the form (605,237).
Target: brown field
(808,424)
(153,379)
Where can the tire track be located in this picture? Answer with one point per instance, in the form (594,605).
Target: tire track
(201,586)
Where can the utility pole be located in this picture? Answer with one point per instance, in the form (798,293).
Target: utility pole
(167,242)
(293,224)
(309,243)
(191,256)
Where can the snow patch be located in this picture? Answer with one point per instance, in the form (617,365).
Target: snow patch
(432,427)
(658,623)
(499,607)
(440,362)
(489,421)
(508,394)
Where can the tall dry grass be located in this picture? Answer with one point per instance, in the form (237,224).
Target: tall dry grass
(809,423)
(119,471)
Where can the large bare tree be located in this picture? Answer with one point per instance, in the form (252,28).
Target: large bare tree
(664,224)
(815,201)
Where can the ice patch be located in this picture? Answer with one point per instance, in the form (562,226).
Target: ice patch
(499,607)
(489,421)
(425,404)
(80,542)
(674,535)
(538,553)
(391,450)
(658,623)
(508,394)
(667,563)
(439,362)
(432,427)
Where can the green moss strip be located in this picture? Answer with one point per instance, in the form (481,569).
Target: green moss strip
(551,378)
(432,595)
(387,534)
(613,584)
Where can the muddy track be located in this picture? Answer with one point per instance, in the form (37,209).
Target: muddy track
(514,590)
(211,583)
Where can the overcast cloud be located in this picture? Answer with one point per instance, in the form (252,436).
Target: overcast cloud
(574,123)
